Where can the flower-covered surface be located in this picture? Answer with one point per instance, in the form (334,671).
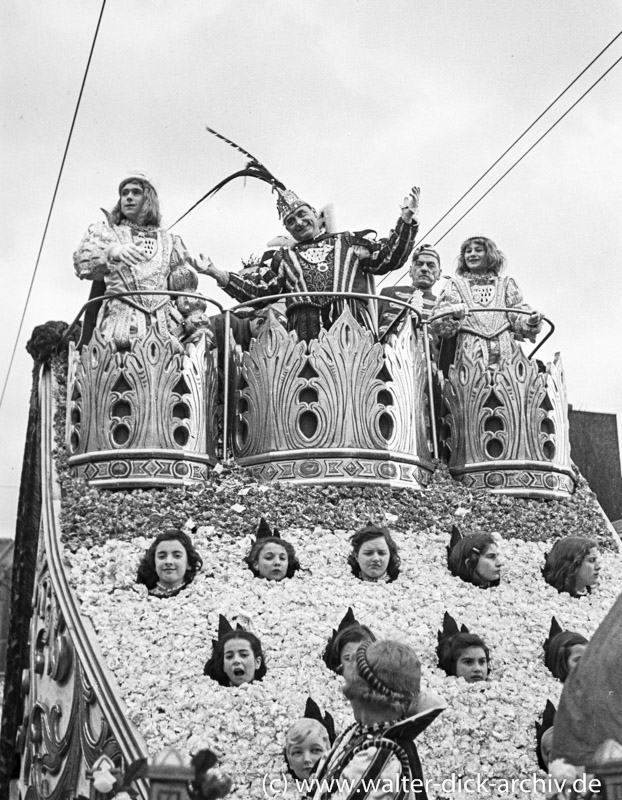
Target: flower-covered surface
(157,647)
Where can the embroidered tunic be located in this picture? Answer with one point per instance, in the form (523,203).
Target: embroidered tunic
(129,318)
(489,336)
(376,762)
(338,262)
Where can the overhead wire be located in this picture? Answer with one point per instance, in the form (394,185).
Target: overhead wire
(515,142)
(487,192)
(47,223)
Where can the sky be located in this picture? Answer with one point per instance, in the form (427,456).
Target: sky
(347,102)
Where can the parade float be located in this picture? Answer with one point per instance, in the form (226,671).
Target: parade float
(105,692)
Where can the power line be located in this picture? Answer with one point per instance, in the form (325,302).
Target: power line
(530,149)
(47,223)
(514,143)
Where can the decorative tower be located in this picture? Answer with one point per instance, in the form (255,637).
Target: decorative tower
(141,417)
(505,428)
(342,409)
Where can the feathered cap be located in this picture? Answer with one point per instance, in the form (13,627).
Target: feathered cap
(286,201)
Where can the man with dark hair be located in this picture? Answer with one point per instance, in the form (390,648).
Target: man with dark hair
(321,261)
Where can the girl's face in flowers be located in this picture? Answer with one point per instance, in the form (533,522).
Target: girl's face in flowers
(240,663)
(489,564)
(272,562)
(588,572)
(303,756)
(171,562)
(472,665)
(373,558)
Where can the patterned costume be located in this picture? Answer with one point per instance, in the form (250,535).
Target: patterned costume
(490,336)
(336,262)
(129,318)
(384,754)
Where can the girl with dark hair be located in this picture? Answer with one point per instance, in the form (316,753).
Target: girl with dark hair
(573,565)
(374,556)
(272,558)
(478,285)
(464,655)
(342,647)
(170,564)
(475,558)
(237,658)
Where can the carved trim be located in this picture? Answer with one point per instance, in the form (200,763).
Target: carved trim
(73,708)
(344,409)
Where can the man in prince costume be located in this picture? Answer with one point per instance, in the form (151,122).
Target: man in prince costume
(318,260)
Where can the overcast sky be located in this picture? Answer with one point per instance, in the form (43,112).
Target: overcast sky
(346,102)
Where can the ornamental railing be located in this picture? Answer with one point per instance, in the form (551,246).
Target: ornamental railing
(143,416)
(505,428)
(342,408)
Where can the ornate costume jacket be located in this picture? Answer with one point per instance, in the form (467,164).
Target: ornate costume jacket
(488,335)
(338,262)
(128,318)
(378,762)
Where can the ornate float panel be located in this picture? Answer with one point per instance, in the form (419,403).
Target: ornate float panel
(141,417)
(74,733)
(341,409)
(505,428)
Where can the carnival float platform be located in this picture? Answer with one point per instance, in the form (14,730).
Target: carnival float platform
(122,672)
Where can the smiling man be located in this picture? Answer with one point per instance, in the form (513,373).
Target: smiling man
(321,261)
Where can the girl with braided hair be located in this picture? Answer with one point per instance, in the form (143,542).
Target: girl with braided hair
(378,750)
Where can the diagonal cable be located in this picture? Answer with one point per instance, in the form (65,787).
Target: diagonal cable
(47,223)
(487,192)
(514,143)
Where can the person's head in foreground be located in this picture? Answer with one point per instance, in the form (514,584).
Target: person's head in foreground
(374,556)
(170,563)
(236,658)
(306,742)
(383,682)
(478,256)
(476,559)
(464,655)
(572,565)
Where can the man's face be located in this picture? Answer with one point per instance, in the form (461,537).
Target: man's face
(132,201)
(425,271)
(303,224)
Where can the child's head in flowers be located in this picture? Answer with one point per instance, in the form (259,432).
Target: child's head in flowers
(572,565)
(170,563)
(271,557)
(476,559)
(237,658)
(306,742)
(374,556)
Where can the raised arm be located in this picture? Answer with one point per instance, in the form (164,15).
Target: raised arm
(391,253)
